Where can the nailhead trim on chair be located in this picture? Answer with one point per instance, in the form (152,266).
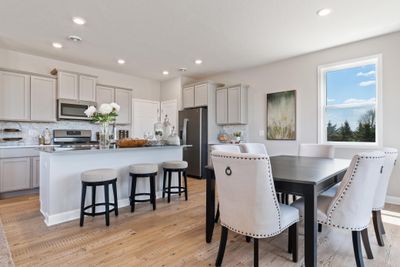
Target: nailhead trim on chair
(342,227)
(343,193)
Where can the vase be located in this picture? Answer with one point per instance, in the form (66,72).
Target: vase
(104,136)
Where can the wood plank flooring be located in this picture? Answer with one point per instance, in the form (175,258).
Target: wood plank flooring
(173,235)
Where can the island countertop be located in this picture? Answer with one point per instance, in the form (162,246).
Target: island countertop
(95,149)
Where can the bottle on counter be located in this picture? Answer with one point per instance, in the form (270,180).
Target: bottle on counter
(167,129)
(47,136)
(41,139)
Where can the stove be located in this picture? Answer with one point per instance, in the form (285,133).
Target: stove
(73,138)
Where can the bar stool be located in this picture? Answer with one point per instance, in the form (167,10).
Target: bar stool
(99,177)
(169,168)
(143,171)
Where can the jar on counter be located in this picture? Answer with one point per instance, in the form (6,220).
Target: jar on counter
(47,136)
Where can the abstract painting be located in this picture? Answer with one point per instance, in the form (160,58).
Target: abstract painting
(281,116)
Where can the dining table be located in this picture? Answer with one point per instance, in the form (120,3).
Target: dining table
(301,176)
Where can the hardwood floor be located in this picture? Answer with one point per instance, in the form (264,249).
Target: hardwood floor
(173,235)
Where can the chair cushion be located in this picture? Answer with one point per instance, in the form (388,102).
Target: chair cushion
(289,215)
(143,168)
(331,192)
(99,175)
(323,203)
(175,164)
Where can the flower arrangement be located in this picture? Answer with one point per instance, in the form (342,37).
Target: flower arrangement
(105,113)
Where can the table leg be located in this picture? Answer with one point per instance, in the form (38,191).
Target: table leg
(310,226)
(210,204)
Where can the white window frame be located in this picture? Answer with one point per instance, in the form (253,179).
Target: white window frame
(322,70)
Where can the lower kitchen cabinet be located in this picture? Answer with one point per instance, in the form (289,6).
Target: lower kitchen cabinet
(35,172)
(15,174)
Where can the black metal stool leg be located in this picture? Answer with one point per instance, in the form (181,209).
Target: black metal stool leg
(180,182)
(93,200)
(114,186)
(169,186)
(82,204)
(133,192)
(153,191)
(164,183)
(186,186)
(107,202)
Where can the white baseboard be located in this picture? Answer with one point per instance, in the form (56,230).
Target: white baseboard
(393,200)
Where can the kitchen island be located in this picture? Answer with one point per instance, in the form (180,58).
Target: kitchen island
(61,168)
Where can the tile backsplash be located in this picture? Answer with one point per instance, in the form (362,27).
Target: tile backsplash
(31,130)
(230,129)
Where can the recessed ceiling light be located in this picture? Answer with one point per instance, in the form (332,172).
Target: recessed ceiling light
(182,69)
(121,61)
(74,38)
(198,61)
(79,20)
(165,72)
(324,12)
(57,45)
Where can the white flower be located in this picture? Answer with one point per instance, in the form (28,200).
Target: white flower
(105,109)
(90,111)
(115,106)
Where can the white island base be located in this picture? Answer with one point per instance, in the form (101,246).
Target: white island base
(60,177)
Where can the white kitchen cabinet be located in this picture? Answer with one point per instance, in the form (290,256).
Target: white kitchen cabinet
(68,85)
(222,106)
(201,95)
(123,97)
(35,172)
(14,96)
(87,88)
(231,105)
(104,94)
(188,97)
(145,115)
(43,99)
(15,174)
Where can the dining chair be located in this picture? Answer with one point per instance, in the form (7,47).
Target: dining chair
(249,206)
(254,148)
(317,150)
(351,206)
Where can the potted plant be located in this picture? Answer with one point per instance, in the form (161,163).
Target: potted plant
(237,136)
(106,114)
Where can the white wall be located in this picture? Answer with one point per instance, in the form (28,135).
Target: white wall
(143,88)
(300,73)
(172,89)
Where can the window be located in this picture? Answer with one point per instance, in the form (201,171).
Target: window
(350,102)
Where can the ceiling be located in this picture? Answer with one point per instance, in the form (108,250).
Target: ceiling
(157,35)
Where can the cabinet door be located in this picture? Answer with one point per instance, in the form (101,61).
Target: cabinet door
(104,94)
(43,99)
(234,105)
(222,106)
(201,95)
(123,98)
(87,88)
(35,172)
(14,96)
(68,85)
(15,174)
(145,115)
(188,97)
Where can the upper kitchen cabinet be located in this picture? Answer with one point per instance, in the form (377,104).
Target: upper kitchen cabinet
(198,94)
(231,105)
(43,99)
(75,86)
(123,97)
(87,88)
(104,94)
(14,96)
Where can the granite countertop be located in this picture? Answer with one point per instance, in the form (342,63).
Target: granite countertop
(58,150)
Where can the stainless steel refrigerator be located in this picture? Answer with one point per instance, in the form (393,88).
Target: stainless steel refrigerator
(193,131)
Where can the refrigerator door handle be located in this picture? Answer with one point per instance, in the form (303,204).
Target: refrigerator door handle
(184,133)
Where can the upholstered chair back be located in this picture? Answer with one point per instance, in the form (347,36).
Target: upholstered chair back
(317,150)
(254,148)
(351,206)
(381,190)
(246,193)
(226,148)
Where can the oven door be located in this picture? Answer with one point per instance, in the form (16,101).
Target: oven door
(70,110)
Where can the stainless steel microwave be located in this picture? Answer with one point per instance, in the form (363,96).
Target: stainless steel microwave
(72,110)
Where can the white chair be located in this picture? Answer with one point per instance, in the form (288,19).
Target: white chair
(248,201)
(254,148)
(380,195)
(351,207)
(317,150)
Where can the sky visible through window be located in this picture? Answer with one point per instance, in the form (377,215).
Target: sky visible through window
(350,93)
